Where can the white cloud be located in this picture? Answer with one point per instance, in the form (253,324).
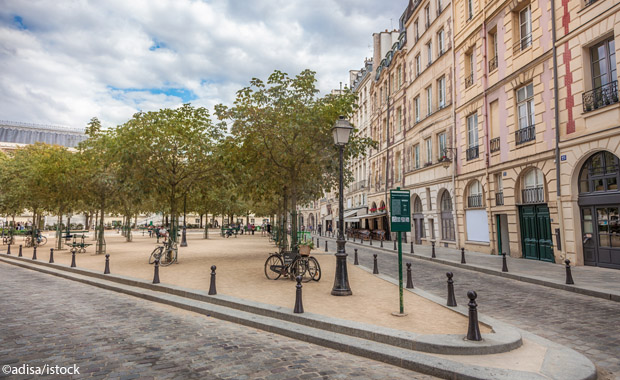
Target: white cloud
(71,60)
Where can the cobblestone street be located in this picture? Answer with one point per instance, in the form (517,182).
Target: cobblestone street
(48,320)
(586,324)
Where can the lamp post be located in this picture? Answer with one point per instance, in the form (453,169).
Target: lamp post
(342,130)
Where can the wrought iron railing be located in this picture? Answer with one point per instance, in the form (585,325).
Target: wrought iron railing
(534,195)
(474,200)
(494,144)
(469,80)
(493,63)
(590,2)
(472,153)
(600,97)
(526,134)
(499,198)
(523,43)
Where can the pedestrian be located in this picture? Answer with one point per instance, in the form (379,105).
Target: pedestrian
(268,228)
(252,227)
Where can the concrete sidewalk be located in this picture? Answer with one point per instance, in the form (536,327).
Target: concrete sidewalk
(591,281)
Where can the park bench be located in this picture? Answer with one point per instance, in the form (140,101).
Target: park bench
(75,245)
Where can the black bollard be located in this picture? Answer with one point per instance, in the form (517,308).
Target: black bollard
(412,248)
(381,242)
(34,253)
(318,246)
(212,290)
(356,262)
(299,307)
(106,270)
(19,254)
(409,280)
(504,265)
(73,258)
(451,298)
(569,276)
(369,239)
(156,274)
(325,245)
(433,250)
(405,238)
(473,330)
(463,256)
(8,250)
(51,255)
(395,244)
(375,269)
(362,241)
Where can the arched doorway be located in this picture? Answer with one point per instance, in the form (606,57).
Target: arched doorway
(534,217)
(599,203)
(385,221)
(311,221)
(447,220)
(418,220)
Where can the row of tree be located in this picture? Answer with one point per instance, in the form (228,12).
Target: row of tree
(268,152)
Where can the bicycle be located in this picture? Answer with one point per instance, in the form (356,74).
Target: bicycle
(40,241)
(305,266)
(166,254)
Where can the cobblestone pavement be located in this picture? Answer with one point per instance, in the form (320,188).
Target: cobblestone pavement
(49,320)
(587,324)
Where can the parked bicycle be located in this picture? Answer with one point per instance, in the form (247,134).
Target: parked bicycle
(39,240)
(166,254)
(291,265)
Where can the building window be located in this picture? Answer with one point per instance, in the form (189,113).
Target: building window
(474,198)
(525,28)
(429,50)
(604,76)
(400,77)
(399,122)
(499,192)
(533,187)
(493,51)
(429,151)
(600,173)
(472,136)
(439,7)
(429,100)
(416,156)
(469,69)
(398,167)
(417,108)
(525,113)
(441,92)
(470,9)
(440,42)
(418,65)
(416,30)
(442,143)
(447,221)
(427,16)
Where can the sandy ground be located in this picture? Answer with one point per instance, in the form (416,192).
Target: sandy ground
(240,273)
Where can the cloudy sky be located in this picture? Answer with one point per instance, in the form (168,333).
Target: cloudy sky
(65,61)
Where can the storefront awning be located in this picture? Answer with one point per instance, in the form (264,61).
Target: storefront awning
(348,213)
(373,215)
(328,217)
(352,220)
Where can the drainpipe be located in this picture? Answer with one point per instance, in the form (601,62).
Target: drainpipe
(387,148)
(487,154)
(456,219)
(557,130)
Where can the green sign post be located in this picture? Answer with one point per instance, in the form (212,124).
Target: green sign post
(400,221)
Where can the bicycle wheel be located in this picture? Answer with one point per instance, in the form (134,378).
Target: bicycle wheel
(156,254)
(314,269)
(42,240)
(274,266)
(169,256)
(298,268)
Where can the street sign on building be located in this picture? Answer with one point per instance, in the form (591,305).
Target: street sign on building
(400,211)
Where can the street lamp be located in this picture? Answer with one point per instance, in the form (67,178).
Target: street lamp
(448,156)
(342,130)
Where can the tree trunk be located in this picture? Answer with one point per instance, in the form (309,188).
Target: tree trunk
(294,221)
(128,237)
(100,239)
(200,221)
(59,232)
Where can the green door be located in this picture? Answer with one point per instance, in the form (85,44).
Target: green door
(536,232)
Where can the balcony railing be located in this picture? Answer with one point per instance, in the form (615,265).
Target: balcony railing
(590,2)
(494,144)
(493,64)
(526,134)
(469,80)
(535,195)
(600,97)
(472,153)
(474,200)
(499,198)
(360,185)
(523,43)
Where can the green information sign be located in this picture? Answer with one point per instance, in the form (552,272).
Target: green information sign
(400,210)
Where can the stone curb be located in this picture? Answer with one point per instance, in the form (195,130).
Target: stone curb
(560,363)
(523,278)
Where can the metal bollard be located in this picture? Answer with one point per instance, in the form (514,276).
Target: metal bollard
(299,307)
(317,243)
(409,280)
(395,244)
(156,274)
(51,255)
(212,290)
(8,250)
(412,248)
(325,245)
(356,262)
(375,269)
(19,254)
(73,258)
(463,256)
(451,298)
(405,238)
(370,240)
(569,276)
(381,242)
(34,253)
(504,265)
(106,270)
(473,330)
(433,250)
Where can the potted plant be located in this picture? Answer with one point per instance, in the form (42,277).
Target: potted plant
(381,208)
(305,247)
(373,209)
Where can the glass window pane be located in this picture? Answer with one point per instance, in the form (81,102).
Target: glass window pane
(587,221)
(599,184)
(612,183)
(530,90)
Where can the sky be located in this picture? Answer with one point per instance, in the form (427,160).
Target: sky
(63,62)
